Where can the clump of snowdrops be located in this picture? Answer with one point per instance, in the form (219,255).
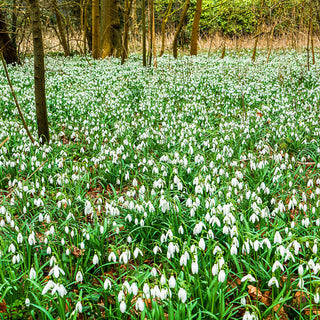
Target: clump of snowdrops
(190,191)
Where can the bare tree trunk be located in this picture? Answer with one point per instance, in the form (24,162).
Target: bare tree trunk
(128,4)
(39,73)
(85,26)
(153,38)
(223,53)
(134,25)
(62,35)
(6,46)
(150,34)
(95,29)
(163,27)
(144,42)
(258,33)
(308,46)
(14,25)
(270,43)
(111,37)
(180,25)
(195,28)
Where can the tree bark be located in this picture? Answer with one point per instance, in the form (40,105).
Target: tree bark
(39,73)
(128,4)
(195,29)
(144,42)
(95,29)
(62,34)
(14,25)
(180,25)
(258,33)
(163,27)
(111,37)
(6,46)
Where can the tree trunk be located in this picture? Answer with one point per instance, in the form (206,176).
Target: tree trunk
(195,28)
(153,34)
(111,37)
(163,27)
(39,73)
(144,47)
(95,29)
(62,34)
(6,46)
(258,33)
(14,25)
(150,34)
(180,25)
(124,56)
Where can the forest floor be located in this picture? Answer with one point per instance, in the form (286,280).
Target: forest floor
(190,191)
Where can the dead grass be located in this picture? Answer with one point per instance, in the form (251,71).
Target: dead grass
(212,43)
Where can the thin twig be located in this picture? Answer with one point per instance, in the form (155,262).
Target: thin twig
(15,98)
(3,142)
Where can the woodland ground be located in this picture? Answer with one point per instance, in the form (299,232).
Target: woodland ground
(190,191)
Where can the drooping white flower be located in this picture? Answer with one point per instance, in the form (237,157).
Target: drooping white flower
(182,295)
(107,284)
(95,259)
(249,278)
(78,307)
(221,276)
(273,281)
(32,274)
(79,277)
(123,306)
(172,282)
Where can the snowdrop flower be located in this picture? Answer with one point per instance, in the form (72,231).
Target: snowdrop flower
(112,257)
(27,302)
(300,270)
(180,230)
(249,278)
(146,290)
(123,307)
(50,284)
(139,305)
(221,276)
(136,252)
(95,259)
(182,295)
(277,265)
(134,289)
(56,271)
(202,244)
(273,281)
(32,274)
(172,282)
(79,277)
(107,284)
(32,239)
(316,298)
(277,238)
(194,267)
(301,283)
